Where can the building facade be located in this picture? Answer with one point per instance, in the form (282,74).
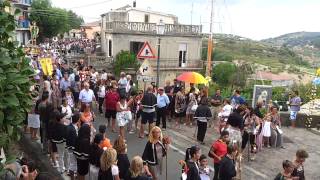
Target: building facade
(23,24)
(127,28)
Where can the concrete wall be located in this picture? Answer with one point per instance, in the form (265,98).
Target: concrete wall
(169,45)
(139,16)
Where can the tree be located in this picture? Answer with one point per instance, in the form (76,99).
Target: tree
(51,20)
(15,81)
(125,59)
(223,73)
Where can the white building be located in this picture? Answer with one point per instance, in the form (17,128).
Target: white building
(127,28)
(23,23)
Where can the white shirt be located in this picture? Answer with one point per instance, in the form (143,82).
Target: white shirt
(104,76)
(226,111)
(102,92)
(114,170)
(86,96)
(66,110)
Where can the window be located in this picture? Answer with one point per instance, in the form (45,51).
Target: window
(146,18)
(109,47)
(135,46)
(182,55)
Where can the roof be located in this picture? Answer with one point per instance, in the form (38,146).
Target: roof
(265,75)
(91,24)
(128,8)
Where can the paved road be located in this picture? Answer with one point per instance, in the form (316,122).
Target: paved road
(265,167)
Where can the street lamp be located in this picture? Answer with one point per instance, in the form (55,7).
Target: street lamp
(160,31)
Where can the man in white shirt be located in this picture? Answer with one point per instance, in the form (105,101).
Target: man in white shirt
(104,75)
(86,96)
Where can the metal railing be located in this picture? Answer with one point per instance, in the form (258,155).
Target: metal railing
(151,28)
(22,2)
(175,64)
(23,23)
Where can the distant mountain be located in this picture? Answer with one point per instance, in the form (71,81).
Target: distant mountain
(305,44)
(301,39)
(261,54)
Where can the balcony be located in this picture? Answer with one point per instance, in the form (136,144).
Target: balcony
(151,28)
(22,3)
(173,64)
(23,24)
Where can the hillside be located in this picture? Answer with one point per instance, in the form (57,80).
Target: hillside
(262,55)
(306,44)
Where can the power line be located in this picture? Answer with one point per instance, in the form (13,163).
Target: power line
(93,4)
(50,12)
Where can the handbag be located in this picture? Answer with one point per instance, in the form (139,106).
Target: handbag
(194,107)
(128,116)
(279,130)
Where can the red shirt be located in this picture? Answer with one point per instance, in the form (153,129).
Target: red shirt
(111,100)
(220,149)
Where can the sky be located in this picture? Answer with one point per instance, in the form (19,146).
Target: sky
(254,19)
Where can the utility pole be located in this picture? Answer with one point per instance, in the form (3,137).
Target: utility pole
(191,12)
(210,44)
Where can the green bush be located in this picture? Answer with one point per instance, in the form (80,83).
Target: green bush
(125,59)
(15,82)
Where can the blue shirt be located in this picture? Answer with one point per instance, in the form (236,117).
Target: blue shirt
(58,73)
(64,84)
(236,101)
(162,100)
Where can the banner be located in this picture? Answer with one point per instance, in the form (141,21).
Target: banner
(46,65)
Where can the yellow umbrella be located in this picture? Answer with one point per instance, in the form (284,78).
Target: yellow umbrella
(192,77)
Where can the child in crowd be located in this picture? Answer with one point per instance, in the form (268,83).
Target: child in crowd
(67,111)
(69,97)
(204,169)
(105,144)
(266,131)
(287,171)
(298,172)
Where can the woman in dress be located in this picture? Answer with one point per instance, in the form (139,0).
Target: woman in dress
(276,132)
(192,161)
(190,111)
(180,106)
(108,165)
(154,152)
(122,114)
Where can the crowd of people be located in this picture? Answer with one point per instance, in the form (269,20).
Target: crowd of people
(64,111)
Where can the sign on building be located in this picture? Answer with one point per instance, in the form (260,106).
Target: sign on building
(146,73)
(146,52)
(262,93)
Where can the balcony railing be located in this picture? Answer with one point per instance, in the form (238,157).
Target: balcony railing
(22,2)
(151,28)
(23,24)
(175,64)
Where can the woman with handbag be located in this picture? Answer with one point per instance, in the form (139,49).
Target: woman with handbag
(123,114)
(202,114)
(192,107)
